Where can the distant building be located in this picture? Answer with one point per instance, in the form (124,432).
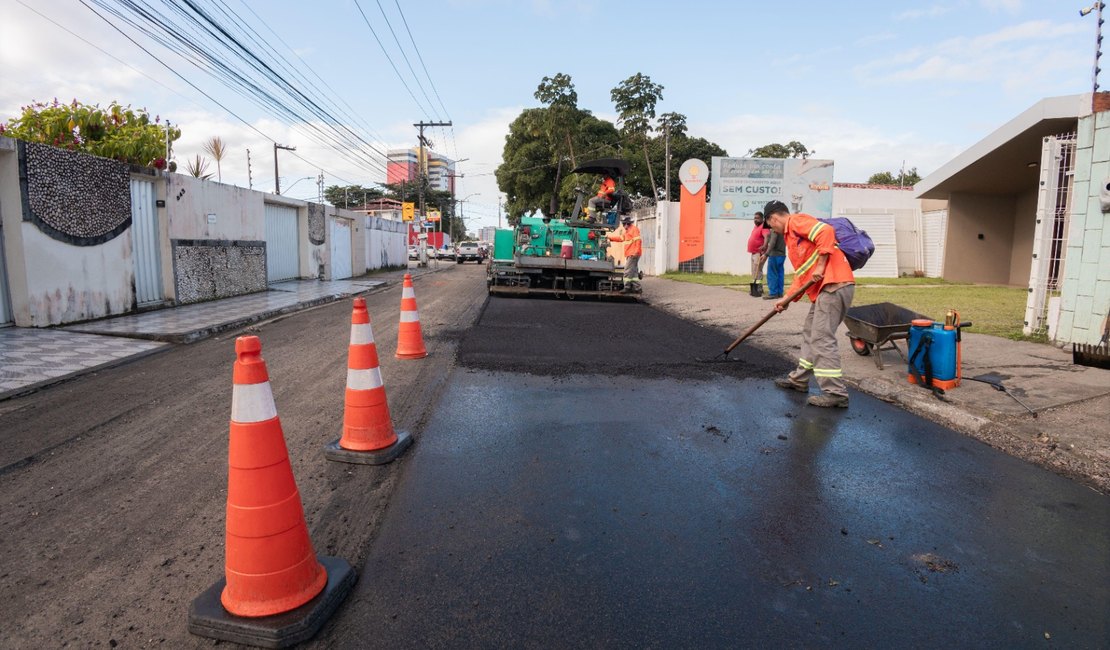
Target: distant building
(402,165)
(381,207)
(486,233)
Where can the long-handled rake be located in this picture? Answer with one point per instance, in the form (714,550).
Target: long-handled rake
(723,356)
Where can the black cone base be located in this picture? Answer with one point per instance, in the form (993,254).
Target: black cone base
(377,457)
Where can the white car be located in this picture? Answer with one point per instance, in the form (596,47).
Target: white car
(414,253)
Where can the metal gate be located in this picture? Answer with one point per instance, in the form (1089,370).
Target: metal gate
(283,260)
(934,228)
(144,243)
(1050,238)
(340,249)
(881,229)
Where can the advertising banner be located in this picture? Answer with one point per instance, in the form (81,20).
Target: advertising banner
(741,186)
(434,215)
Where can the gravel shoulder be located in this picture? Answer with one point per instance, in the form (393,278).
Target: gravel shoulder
(113,485)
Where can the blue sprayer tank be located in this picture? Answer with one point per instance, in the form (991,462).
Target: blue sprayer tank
(940,344)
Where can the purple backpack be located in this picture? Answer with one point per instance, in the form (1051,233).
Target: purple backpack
(853,242)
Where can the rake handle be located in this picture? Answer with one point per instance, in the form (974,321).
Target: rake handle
(751,330)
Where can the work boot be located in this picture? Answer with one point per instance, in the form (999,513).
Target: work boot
(788,383)
(825,400)
(772,296)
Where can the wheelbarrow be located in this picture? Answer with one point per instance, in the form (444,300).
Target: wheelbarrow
(874,328)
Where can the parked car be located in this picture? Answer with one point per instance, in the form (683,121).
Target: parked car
(445,253)
(414,253)
(469,251)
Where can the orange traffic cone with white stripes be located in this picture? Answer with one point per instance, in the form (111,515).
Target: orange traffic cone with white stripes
(410,340)
(276,591)
(368,436)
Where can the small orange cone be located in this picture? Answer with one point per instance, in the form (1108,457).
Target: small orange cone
(368,435)
(276,591)
(410,341)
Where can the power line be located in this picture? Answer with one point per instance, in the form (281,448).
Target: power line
(391,63)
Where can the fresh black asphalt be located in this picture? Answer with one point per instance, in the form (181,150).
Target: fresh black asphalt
(584,483)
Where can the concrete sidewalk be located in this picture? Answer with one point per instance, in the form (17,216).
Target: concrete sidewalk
(1068,434)
(33,358)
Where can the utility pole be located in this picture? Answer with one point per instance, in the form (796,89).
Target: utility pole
(499,213)
(667,159)
(169,145)
(250,177)
(320,187)
(277,179)
(421,166)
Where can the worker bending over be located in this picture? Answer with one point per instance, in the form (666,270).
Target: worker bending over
(604,196)
(811,246)
(633,248)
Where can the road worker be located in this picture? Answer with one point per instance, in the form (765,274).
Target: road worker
(633,248)
(811,246)
(604,196)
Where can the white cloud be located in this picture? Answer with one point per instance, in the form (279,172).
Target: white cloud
(1011,6)
(1008,56)
(932,11)
(859,150)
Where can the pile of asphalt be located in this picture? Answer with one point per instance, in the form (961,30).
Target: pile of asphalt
(568,337)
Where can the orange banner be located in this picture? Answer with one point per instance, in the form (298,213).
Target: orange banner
(691,230)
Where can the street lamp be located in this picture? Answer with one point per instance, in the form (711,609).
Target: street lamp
(298,181)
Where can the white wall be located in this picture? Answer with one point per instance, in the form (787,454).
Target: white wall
(901,206)
(239,214)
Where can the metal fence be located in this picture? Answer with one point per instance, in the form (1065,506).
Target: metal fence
(1050,239)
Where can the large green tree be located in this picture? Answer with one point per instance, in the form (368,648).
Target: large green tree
(792,149)
(120,132)
(904,178)
(350,196)
(635,99)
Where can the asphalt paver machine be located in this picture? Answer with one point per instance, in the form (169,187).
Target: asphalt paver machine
(567,258)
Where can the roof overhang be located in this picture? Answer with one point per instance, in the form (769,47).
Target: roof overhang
(1006,161)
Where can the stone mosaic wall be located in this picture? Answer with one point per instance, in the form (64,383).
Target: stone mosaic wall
(74,197)
(317,224)
(207,269)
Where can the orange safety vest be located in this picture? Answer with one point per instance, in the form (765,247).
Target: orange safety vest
(806,240)
(608,186)
(633,247)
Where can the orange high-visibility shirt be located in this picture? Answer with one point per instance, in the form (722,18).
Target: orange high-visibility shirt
(631,238)
(806,240)
(608,186)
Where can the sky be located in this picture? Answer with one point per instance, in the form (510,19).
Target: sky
(867,84)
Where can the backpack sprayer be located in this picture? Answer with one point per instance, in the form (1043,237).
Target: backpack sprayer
(934,359)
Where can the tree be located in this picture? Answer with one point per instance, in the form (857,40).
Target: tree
(557,91)
(349,196)
(902,179)
(214,147)
(558,94)
(635,99)
(676,122)
(118,132)
(792,149)
(198,168)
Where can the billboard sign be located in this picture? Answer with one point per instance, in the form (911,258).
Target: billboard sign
(741,186)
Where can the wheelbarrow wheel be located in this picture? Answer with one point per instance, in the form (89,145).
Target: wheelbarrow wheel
(860,347)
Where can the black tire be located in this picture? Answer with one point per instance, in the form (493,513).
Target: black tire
(860,347)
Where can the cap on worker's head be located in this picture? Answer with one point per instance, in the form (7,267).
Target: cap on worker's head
(775,207)
(626,218)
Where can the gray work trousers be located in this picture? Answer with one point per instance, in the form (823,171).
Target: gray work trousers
(632,270)
(819,355)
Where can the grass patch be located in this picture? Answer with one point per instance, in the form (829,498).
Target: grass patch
(998,311)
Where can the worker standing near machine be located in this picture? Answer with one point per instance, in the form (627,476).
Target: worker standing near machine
(755,247)
(604,196)
(774,251)
(812,248)
(633,248)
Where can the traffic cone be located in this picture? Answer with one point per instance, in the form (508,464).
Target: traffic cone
(275,592)
(410,341)
(368,435)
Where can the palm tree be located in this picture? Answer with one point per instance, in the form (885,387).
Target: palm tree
(215,147)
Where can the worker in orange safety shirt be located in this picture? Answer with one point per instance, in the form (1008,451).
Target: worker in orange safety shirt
(811,246)
(633,248)
(604,196)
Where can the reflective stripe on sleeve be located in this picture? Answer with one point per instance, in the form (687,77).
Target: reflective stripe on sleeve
(828,372)
(802,363)
(814,230)
(808,263)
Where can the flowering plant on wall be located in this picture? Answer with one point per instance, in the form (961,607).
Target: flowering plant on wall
(118,132)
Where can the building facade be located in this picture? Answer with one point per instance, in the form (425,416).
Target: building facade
(403,166)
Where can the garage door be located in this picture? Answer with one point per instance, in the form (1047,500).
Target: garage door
(935,229)
(880,227)
(282,257)
(340,237)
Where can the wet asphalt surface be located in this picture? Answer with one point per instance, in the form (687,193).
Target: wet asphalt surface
(659,502)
